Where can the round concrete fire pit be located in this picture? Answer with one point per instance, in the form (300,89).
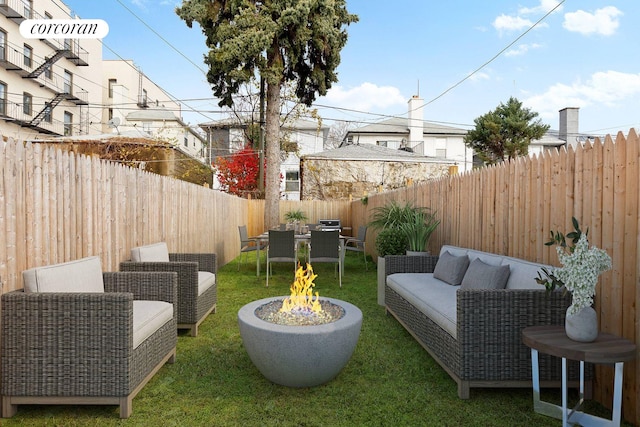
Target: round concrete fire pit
(299,356)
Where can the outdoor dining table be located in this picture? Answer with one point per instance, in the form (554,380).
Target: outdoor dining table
(299,238)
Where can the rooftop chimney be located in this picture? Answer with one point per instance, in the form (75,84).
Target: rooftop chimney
(416,121)
(569,127)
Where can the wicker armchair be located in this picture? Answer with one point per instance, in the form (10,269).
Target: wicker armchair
(82,347)
(197,287)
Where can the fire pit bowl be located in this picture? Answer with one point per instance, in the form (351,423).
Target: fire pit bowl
(299,356)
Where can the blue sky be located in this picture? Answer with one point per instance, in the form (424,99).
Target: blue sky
(463,57)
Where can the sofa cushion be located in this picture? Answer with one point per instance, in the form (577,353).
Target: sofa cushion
(523,273)
(433,297)
(156,252)
(82,275)
(148,317)
(486,257)
(451,268)
(205,281)
(481,275)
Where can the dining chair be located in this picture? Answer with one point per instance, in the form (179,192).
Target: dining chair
(282,248)
(248,244)
(357,244)
(324,246)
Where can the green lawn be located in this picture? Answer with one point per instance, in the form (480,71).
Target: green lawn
(390,380)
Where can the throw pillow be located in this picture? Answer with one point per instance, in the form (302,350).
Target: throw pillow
(450,268)
(481,275)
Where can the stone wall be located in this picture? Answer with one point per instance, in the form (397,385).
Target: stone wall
(340,179)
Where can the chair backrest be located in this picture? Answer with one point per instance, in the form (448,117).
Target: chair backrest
(325,246)
(362,233)
(155,252)
(244,236)
(282,245)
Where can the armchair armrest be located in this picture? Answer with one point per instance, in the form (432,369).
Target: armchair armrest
(152,286)
(409,264)
(206,261)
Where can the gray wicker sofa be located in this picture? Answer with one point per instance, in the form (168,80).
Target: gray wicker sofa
(473,330)
(76,335)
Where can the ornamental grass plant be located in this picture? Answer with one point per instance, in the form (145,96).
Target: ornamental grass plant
(389,381)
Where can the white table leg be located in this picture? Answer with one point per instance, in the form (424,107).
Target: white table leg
(617,395)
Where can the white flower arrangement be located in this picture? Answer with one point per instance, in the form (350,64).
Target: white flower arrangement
(580,270)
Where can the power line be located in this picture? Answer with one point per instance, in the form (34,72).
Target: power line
(494,57)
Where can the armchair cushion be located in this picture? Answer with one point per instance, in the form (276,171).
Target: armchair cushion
(205,281)
(148,317)
(150,253)
(82,275)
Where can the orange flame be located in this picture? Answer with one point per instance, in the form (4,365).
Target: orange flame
(301,298)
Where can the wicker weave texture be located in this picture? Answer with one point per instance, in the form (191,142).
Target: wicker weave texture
(80,344)
(191,306)
(488,347)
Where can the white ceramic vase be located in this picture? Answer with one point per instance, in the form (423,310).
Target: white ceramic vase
(582,326)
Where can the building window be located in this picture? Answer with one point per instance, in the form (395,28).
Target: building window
(381,143)
(3,45)
(441,147)
(68,82)
(110,112)
(28,55)
(47,15)
(3,99)
(68,121)
(48,73)
(27,8)
(112,83)
(292,181)
(47,113)
(27,103)
(186,141)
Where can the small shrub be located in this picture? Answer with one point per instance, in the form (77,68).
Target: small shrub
(391,242)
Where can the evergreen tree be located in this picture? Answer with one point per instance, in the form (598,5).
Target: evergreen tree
(281,41)
(505,132)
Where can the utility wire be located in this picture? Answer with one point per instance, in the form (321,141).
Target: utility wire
(493,58)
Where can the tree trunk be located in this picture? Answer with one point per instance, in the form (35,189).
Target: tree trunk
(272,143)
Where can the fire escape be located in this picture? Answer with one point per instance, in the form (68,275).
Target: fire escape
(67,92)
(62,87)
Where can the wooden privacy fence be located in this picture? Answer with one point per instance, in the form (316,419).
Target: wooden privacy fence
(56,206)
(511,208)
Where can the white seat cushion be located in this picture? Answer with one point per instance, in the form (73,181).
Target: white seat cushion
(82,275)
(205,281)
(156,252)
(148,317)
(433,297)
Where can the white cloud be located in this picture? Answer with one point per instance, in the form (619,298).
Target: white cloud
(603,21)
(521,49)
(544,7)
(479,76)
(608,88)
(366,97)
(510,23)
(506,23)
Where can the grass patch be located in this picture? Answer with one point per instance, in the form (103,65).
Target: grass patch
(390,380)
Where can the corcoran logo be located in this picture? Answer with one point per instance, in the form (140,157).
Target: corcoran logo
(64,29)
